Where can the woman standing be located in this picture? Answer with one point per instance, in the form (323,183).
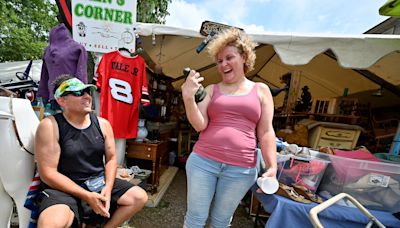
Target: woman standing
(235,114)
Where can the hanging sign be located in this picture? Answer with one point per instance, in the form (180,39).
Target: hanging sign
(209,27)
(104,25)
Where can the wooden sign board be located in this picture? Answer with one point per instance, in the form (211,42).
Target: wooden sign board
(208,26)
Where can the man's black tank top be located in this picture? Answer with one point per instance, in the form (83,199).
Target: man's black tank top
(82,150)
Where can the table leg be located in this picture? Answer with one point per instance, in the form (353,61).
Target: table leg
(153,179)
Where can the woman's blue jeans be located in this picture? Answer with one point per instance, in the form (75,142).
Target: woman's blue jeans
(214,188)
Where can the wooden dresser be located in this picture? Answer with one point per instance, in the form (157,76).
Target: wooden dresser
(335,137)
(140,153)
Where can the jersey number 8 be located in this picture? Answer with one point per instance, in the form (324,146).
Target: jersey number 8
(121,90)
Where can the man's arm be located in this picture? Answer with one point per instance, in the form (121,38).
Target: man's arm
(110,159)
(47,154)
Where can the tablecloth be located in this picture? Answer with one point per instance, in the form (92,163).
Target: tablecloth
(288,213)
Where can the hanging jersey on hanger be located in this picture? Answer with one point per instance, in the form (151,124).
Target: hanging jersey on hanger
(122,82)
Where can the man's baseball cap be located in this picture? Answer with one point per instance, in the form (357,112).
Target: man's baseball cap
(71,85)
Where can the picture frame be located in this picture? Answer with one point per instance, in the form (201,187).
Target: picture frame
(39,111)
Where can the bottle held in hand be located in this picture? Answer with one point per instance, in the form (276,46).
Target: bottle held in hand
(201,92)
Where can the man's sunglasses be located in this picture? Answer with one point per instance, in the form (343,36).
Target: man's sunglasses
(78,93)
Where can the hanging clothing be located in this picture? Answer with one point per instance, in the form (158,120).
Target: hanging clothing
(123,84)
(62,56)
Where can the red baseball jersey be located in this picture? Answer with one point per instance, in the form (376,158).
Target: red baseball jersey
(122,82)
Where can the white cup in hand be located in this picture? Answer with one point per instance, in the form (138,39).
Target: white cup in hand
(269,185)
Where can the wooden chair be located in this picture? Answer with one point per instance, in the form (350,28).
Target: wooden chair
(321,106)
(383,129)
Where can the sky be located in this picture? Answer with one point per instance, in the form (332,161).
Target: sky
(342,17)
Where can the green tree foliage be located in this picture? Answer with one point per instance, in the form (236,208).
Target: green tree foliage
(25,24)
(24,28)
(152,11)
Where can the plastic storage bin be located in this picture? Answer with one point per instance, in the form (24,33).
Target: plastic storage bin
(386,157)
(307,172)
(374,184)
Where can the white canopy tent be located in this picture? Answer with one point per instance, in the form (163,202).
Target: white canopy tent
(9,69)
(327,64)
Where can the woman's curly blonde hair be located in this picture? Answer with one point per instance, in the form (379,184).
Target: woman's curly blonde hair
(236,38)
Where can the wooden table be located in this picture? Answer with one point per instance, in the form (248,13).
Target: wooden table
(156,153)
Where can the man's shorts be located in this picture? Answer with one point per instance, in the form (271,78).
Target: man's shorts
(83,212)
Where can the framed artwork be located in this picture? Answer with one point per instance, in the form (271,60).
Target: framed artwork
(39,111)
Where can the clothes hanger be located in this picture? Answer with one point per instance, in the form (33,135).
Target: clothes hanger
(126,50)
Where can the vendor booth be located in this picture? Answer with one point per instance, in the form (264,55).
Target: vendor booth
(323,87)
(345,80)
(343,76)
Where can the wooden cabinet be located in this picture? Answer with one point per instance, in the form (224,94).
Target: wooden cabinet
(333,137)
(156,153)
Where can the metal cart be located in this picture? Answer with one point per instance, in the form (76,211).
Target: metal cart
(315,210)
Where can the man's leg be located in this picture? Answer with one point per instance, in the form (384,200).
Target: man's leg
(57,209)
(59,215)
(129,203)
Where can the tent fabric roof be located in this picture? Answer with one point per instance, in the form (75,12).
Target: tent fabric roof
(356,51)
(352,58)
(374,55)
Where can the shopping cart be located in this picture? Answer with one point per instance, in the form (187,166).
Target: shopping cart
(315,210)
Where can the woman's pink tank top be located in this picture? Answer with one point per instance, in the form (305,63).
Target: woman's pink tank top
(230,136)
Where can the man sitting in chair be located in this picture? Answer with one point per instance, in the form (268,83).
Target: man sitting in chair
(79,185)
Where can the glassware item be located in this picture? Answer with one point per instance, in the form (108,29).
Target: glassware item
(269,185)
(142,131)
(48,111)
(201,92)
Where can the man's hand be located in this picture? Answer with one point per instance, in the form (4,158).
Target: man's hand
(107,196)
(99,203)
